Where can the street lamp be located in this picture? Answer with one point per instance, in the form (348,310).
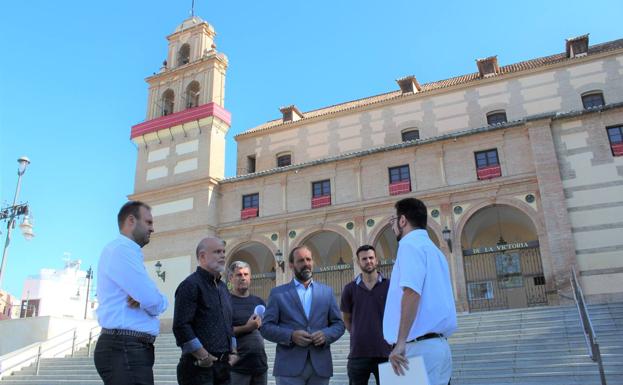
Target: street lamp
(89,277)
(446,237)
(280,261)
(161,274)
(13,212)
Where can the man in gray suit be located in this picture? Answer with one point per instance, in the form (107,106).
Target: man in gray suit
(303,319)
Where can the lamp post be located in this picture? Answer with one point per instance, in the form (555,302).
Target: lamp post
(161,274)
(88,277)
(446,232)
(13,212)
(280,261)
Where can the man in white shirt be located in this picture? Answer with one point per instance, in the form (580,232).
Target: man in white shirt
(129,303)
(419,313)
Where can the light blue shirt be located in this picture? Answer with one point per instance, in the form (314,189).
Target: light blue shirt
(423,268)
(121,273)
(305,295)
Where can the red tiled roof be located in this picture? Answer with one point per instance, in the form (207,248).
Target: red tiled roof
(458,80)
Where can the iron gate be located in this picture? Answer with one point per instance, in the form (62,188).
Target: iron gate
(262,284)
(335,276)
(385,267)
(503,280)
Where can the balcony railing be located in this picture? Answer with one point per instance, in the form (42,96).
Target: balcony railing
(250,212)
(321,201)
(489,172)
(401,187)
(181,117)
(617,149)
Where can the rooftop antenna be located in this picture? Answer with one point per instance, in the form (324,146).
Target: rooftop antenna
(192,9)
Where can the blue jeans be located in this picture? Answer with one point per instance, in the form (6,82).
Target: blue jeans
(124,360)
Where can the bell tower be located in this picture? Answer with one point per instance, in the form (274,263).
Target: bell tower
(181,150)
(185,112)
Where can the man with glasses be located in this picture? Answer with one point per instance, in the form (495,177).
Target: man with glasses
(419,313)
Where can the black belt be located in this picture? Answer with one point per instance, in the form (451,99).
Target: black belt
(427,336)
(144,337)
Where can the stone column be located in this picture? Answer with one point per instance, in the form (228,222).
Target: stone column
(558,255)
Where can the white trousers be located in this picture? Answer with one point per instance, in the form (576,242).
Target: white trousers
(437,358)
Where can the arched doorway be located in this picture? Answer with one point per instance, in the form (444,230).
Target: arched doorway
(262,263)
(502,260)
(332,259)
(386,247)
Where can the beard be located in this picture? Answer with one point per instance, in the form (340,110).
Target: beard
(141,236)
(368,270)
(400,232)
(303,275)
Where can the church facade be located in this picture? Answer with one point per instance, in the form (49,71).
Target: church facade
(520,166)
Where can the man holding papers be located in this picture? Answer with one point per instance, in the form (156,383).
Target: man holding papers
(420,312)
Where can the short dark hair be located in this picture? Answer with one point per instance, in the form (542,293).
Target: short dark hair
(130,208)
(365,248)
(414,210)
(297,248)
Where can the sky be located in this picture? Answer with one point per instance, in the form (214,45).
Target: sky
(72,84)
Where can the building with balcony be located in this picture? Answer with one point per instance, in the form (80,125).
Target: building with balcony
(520,165)
(62,293)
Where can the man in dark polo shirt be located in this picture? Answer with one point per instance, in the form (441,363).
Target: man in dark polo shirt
(362,305)
(202,321)
(252,367)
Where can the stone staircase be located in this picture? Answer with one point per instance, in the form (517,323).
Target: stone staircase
(534,346)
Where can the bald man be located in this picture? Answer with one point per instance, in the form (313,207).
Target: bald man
(202,321)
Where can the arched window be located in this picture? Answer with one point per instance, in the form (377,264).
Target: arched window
(192,94)
(593,99)
(410,134)
(284,159)
(183,55)
(496,117)
(168,102)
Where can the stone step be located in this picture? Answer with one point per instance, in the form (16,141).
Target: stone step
(543,345)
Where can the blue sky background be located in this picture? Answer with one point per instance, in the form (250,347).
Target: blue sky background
(72,83)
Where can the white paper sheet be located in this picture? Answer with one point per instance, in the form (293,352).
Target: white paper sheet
(416,375)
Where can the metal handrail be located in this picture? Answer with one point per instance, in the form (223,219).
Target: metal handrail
(587,326)
(41,349)
(93,337)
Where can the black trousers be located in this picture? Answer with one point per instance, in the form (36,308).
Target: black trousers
(124,360)
(189,374)
(359,370)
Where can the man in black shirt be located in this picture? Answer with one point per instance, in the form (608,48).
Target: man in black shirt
(202,321)
(252,366)
(363,305)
